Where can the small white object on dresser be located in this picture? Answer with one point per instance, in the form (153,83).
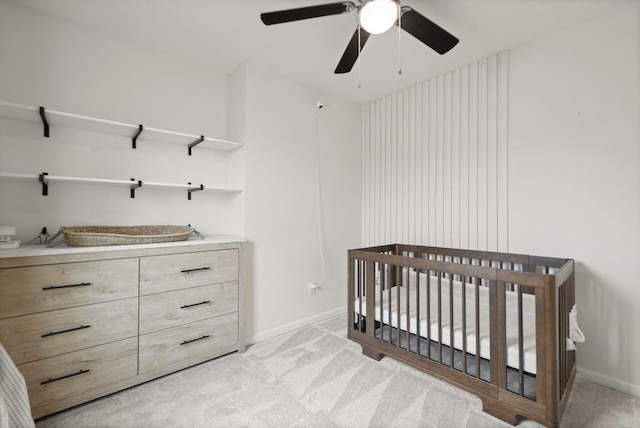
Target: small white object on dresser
(6,243)
(84,322)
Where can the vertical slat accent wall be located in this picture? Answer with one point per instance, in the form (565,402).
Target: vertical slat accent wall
(435,161)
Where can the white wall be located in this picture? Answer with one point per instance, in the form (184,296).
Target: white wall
(574,177)
(286,146)
(63,66)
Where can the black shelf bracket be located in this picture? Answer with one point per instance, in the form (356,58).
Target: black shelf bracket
(44,122)
(135,185)
(42,178)
(193,189)
(195,143)
(134,139)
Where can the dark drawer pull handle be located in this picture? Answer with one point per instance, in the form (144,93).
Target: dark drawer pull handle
(53,333)
(55,287)
(51,380)
(195,304)
(195,270)
(194,340)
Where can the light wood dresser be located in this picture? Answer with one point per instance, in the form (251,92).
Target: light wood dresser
(81,323)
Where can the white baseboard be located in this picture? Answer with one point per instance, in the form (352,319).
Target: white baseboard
(296,324)
(609,382)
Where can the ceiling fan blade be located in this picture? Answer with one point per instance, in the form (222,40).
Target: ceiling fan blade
(289,15)
(427,31)
(352,51)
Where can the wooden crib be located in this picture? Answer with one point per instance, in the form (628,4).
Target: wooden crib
(494,324)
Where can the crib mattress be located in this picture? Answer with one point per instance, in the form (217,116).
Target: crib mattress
(387,311)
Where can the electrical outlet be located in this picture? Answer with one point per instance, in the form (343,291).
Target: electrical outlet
(312,288)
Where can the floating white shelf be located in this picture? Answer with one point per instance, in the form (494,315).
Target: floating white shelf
(18,111)
(190,186)
(87,180)
(57,118)
(133,184)
(18,176)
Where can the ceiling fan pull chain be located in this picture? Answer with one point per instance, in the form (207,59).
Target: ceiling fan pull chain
(399,37)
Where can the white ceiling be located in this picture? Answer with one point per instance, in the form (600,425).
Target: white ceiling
(221,34)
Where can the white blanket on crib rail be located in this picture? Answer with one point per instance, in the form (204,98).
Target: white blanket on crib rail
(14,401)
(390,316)
(575,334)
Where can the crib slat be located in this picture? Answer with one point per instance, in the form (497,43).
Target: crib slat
(429,314)
(501,333)
(408,308)
(351,293)
(382,273)
(563,331)
(398,283)
(477,284)
(370,294)
(451,322)
(439,275)
(520,342)
(389,287)
(464,324)
(418,311)
(497,326)
(541,364)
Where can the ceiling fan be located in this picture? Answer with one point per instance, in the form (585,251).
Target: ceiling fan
(374,17)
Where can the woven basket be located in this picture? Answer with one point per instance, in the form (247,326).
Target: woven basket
(86,236)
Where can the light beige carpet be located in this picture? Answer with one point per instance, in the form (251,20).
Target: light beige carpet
(315,377)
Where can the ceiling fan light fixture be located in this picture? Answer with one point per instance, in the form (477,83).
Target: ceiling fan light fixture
(377,16)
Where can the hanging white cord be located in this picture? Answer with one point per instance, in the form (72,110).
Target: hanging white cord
(359,52)
(399,37)
(319,201)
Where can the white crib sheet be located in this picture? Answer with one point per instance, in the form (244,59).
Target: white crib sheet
(391,317)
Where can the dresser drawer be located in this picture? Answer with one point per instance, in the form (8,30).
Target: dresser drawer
(213,336)
(170,309)
(79,372)
(28,290)
(37,336)
(172,272)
